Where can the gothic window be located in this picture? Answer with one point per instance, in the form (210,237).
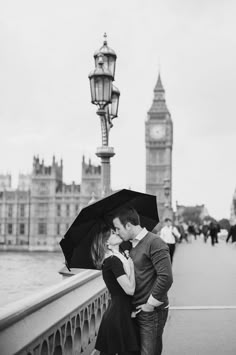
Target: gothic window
(10,210)
(58,229)
(22,210)
(76,208)
(9,228)
(42,210)
(58,210)
(42,228)
(67,210)
(22,228)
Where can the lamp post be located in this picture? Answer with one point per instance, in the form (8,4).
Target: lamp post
(167,195)
(106,96)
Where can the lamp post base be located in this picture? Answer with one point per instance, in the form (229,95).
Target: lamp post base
(105,153)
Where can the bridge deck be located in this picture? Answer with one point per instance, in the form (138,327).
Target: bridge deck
(202,318)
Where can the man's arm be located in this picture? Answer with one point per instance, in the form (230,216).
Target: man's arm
(160,258)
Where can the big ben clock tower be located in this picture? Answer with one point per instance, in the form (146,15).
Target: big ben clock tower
(159,141)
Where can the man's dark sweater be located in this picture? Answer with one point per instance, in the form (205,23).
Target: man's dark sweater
(153,273)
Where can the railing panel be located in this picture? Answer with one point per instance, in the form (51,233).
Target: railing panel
(63,319)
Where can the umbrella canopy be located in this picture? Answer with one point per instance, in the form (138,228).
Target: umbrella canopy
(77,241)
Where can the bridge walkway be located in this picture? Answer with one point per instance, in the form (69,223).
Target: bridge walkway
(202,318)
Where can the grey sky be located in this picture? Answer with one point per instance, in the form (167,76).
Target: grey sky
(46,54)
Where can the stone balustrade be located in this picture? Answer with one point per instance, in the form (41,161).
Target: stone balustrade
(62,319)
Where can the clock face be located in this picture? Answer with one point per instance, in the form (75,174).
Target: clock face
(157,131)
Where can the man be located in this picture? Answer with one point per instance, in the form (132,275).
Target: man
(213,231)
(232,234)
(183,234)
(169,234)
(153,279)
(205,230)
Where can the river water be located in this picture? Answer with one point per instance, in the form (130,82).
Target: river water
(24,273)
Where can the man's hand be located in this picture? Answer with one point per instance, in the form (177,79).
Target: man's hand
(146,307)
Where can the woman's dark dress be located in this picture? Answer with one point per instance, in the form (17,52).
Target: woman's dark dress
(117,332)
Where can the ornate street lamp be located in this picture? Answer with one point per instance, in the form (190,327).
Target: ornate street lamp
(166,191)
(109,57)
(100,84)
(106,96)
(168,212)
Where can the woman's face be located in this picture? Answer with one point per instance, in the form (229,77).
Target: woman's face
(114,239)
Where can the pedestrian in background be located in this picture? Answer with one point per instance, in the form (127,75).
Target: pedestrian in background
(213,232)
(205,231)
(232,234)
(183,233)
(170,235)
(191,231)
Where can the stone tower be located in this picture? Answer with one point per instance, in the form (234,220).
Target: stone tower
(90,183)
(45,182)
(159,141)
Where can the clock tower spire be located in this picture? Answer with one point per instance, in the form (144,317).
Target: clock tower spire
(159,141)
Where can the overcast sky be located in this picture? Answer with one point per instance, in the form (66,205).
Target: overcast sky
(46,54)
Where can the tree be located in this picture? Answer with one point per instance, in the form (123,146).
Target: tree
(224,224)
(210,219)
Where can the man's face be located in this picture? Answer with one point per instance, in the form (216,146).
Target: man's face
(122,231)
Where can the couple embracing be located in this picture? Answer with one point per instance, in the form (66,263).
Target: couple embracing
(134,321)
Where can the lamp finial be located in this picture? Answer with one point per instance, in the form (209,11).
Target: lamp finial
(105,38)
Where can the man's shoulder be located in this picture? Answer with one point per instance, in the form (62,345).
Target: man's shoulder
(154,239)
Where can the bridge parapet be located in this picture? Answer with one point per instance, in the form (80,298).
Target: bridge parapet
(62,319)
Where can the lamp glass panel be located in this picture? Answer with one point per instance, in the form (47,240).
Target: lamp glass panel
(96,89)
(114,107)
(107,89)
(110,62)
(92,89)
(112,66)
(102,97)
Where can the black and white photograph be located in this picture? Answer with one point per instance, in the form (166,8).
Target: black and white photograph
(117,177)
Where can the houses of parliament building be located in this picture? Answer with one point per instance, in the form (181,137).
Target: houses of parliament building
(40,210)
(36,215)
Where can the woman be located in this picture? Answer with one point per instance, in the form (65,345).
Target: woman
(117,333)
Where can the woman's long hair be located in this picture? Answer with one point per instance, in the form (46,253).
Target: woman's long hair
(99,245)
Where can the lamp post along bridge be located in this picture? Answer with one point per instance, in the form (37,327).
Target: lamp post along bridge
(106,96)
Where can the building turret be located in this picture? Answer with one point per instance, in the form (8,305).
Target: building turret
(46,179)
(91,182)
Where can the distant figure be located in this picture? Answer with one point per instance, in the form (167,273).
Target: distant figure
(205,231)
(213,232)
(170,234)
(232,234)
(183,234)
(191,231)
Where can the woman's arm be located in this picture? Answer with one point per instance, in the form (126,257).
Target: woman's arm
(128,283)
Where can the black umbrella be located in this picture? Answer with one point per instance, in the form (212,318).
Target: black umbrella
(77,241)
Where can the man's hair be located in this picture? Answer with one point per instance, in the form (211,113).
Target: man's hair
(127,214)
